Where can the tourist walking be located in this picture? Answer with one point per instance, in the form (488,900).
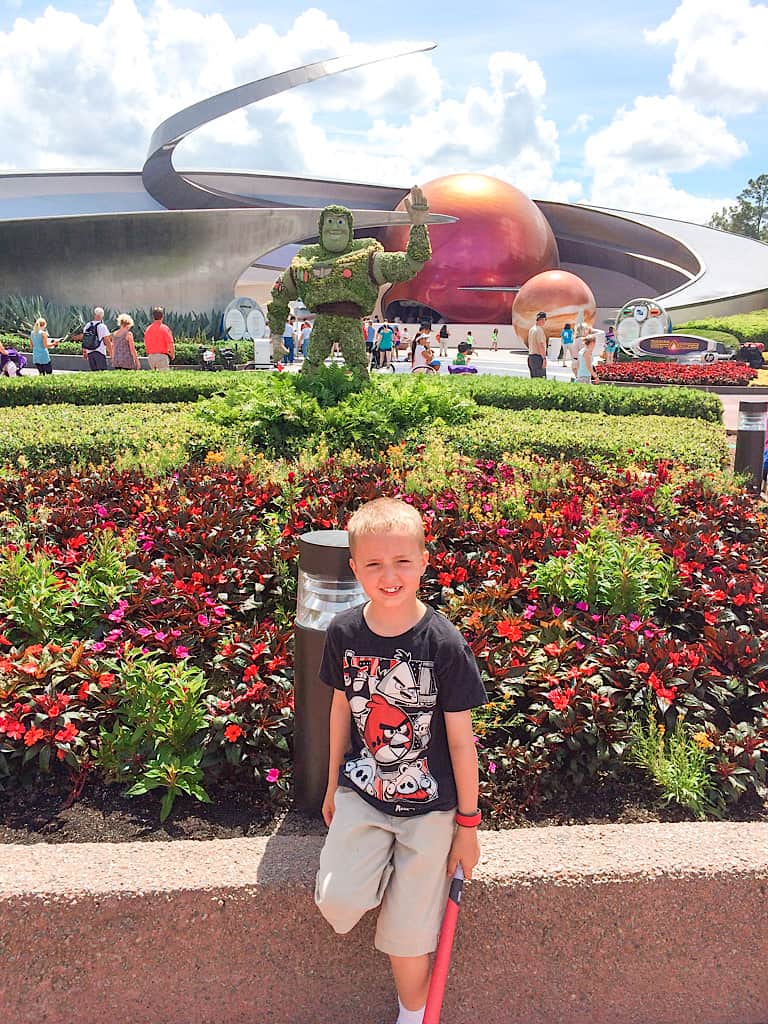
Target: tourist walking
(495,339)
(585,372)
(386,343)
(611,345)
(289,338)
(537,348)
(158,341)
(41,343)
(443,335)
(97,341)
(566,341)
(124,355)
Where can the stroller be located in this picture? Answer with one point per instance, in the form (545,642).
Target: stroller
(12,363)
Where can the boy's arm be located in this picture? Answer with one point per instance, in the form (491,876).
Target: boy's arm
(340,724)
(465,849)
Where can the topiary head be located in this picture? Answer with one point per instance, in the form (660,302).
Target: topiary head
(335,226)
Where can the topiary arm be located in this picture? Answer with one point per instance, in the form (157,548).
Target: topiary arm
(389,267)
(278,310)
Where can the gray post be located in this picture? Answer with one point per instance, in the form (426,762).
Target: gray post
(327,586)
(750,442)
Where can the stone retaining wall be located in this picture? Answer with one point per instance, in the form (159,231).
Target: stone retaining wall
(640,924)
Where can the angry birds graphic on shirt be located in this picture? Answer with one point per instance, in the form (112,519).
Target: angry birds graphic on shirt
(392,702)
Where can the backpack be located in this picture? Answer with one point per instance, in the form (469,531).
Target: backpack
(91,339)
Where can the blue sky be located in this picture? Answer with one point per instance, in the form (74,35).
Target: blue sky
(658,107)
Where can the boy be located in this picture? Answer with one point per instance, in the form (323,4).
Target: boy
(401,803)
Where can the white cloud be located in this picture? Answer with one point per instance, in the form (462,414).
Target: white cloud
(666,134)
(580,124)
(88,94)
(652,192)
(720,51)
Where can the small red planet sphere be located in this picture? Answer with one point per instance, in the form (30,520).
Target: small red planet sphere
(501,239)
(564,297)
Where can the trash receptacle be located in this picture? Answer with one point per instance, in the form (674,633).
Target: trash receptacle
(327,586)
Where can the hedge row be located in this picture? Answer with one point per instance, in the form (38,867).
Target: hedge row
(515,393)
(618,440)
(744,326)
(158,435)
(165,435)
(115,388)
(500,392)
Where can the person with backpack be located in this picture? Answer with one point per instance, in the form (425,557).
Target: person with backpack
(97,341)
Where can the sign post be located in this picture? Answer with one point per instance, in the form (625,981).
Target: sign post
(750,442)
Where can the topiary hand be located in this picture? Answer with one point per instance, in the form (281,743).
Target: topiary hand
(417,206)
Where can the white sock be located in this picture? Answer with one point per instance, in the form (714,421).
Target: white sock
(410,1016)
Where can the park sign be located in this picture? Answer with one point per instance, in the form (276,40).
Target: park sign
(675,346)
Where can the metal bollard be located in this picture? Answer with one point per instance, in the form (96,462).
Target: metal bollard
(750,442)
(327,586)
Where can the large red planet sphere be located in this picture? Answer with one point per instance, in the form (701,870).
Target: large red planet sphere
(564,297)
(500,240)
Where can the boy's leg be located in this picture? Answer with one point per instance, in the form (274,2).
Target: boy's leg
(354,863)
(412,909)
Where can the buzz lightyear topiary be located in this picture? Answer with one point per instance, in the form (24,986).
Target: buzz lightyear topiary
(339,279)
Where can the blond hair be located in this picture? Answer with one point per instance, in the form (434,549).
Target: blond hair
(385,515)
(41,323)
(123,318)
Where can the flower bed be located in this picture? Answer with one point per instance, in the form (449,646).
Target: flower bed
(145,624)
(722,374)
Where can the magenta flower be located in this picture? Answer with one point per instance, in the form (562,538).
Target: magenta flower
(202,619)
(273,775)
(98,647)
(181,651)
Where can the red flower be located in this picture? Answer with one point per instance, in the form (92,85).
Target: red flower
(32,736)
(560,697)
(11,727)
(106,679)
(233,733)
(510,629)
(67,734)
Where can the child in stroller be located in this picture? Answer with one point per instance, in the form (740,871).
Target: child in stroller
(11,361)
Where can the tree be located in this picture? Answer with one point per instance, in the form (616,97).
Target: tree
(749,215)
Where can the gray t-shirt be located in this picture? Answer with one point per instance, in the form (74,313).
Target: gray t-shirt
(398,688)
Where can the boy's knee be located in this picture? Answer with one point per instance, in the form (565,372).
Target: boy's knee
(337,903)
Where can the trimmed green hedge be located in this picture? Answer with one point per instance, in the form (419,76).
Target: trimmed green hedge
(744,326)
(60,434)
(116,388)
(619,440)
(516,393)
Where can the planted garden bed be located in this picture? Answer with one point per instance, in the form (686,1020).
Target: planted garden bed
(618,617)
(641,371)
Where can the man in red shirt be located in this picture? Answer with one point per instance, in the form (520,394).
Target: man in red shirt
(158,341)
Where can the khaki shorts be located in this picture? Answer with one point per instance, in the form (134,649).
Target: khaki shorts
(158,361)
(371,859)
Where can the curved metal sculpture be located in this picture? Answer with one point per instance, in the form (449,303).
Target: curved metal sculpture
(178,192)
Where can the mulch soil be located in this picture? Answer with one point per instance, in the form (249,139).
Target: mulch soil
(102,815)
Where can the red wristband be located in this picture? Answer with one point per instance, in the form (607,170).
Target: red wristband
(469,820)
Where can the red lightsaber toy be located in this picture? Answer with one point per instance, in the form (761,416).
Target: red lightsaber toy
(444,947)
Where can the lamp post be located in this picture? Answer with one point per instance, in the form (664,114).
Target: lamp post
(327,586)
(750,442)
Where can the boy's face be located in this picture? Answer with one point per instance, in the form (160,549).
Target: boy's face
(389,567)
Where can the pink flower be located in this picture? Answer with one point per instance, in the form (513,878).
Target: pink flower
(492,767)
(202,620)
(160,635)
(219,611)
(144,632)
(582,606)
(100,510)
(181,651)
(273,775)
(98,647)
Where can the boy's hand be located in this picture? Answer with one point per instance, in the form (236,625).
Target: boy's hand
(465,850)
(329,805)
